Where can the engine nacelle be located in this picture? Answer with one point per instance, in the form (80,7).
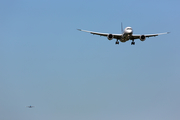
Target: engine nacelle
(142,37)
(110,37)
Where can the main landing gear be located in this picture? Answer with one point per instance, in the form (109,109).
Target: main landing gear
(117,42)
(132,43)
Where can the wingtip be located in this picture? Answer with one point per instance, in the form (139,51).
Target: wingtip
(79,29)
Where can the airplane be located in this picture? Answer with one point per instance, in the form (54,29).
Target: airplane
(127,34)
(30,106)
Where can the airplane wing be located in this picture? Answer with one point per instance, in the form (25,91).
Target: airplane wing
(116,36)
(148,35)
(30,106)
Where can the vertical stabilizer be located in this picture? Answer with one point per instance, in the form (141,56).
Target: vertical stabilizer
(121,27)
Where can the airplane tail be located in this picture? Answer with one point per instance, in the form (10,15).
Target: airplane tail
(121,27)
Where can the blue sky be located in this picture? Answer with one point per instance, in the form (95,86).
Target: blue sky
(71,75)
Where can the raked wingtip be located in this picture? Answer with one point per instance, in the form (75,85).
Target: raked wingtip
(79,29)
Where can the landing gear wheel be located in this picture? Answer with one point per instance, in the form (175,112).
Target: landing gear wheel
(133,43)
(117,42)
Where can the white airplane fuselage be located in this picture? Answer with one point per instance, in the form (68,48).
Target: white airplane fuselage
(128,31)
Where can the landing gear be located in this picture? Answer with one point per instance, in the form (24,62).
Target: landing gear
(117,42)
(132,43)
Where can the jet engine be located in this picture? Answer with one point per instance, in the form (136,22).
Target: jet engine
(142,37)
(110,37)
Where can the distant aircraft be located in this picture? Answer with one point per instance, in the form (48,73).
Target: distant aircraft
(30,106)
(126,35)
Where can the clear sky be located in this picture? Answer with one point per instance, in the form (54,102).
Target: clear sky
(71,75)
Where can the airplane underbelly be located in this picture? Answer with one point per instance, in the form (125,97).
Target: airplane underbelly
(125,38)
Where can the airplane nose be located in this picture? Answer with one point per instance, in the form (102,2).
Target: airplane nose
(129,31)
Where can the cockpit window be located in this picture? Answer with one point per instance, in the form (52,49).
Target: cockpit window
(129,29)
